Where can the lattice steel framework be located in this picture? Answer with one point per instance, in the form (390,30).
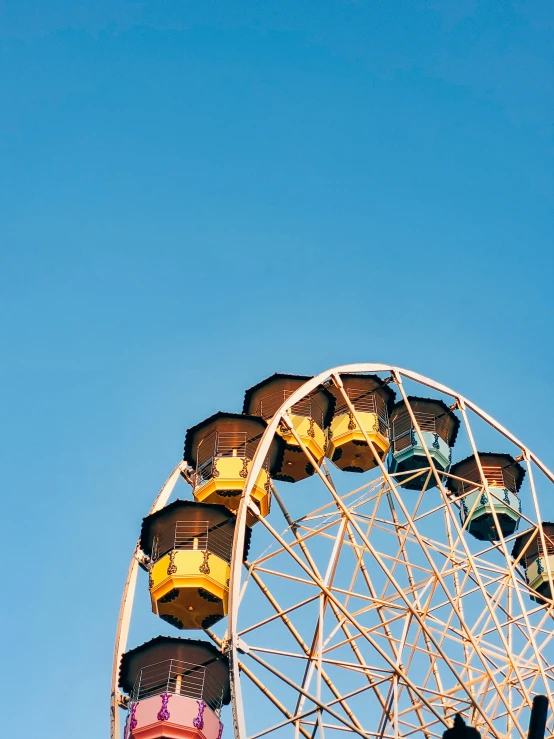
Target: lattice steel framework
(372,610)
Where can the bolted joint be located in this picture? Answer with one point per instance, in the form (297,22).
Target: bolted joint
(121,699)
(236,642)
(286,420)
(144,562)
(337,381)
(254,508)
(187,473)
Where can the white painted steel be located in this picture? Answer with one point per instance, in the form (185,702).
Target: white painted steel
(260,455)
(233,644)
(127,602)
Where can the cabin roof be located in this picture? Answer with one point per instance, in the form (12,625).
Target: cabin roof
(374,384)
(521,539)
(419,404)
(161,648)
(193,432)
(500,459)
(295,381)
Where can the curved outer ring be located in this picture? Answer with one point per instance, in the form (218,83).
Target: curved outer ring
(127,600)
(234,645)
(233,642)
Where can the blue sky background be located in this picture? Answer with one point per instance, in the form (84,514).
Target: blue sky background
(194,195)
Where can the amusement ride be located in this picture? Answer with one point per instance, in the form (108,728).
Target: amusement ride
(361,551)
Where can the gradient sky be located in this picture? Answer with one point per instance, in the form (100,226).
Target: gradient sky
(194,195)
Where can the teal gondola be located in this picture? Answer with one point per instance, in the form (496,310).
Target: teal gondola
(438,427)
(479,497)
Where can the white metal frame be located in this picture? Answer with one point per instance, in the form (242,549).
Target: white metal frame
(353,532)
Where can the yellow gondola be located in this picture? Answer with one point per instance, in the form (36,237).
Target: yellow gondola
(372,400)
(310,418)
(189,546)
(220,451)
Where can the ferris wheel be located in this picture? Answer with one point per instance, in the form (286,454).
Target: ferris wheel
(360,551)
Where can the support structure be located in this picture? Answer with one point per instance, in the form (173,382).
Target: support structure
(372,609)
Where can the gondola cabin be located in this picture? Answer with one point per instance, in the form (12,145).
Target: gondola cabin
(310,418)
(372,400)
(189,548)
(498,492)
(439,428)
(176,688)
(220,450)
(536,555)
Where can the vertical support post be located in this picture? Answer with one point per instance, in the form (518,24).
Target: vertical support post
(169,675)
(509,608)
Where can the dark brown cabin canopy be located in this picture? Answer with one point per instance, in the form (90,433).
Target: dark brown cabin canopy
(432,407)
(193,651)
(273,391)
(367,385)
(219,519)
(467,468)
(534,549)
(252,426)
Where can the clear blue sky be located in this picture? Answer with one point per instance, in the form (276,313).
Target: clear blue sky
(197,194)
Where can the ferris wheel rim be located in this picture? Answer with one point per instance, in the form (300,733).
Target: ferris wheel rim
(232,644)
(128,598)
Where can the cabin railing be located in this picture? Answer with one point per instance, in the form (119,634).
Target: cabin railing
(178,678)
(307,407)
(194,535)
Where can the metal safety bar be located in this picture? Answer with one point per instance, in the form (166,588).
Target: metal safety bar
(530,557)
(191,535)
(402,427)
(307,407)
(218,444)
(178,678)
(502,477)
(365,401)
